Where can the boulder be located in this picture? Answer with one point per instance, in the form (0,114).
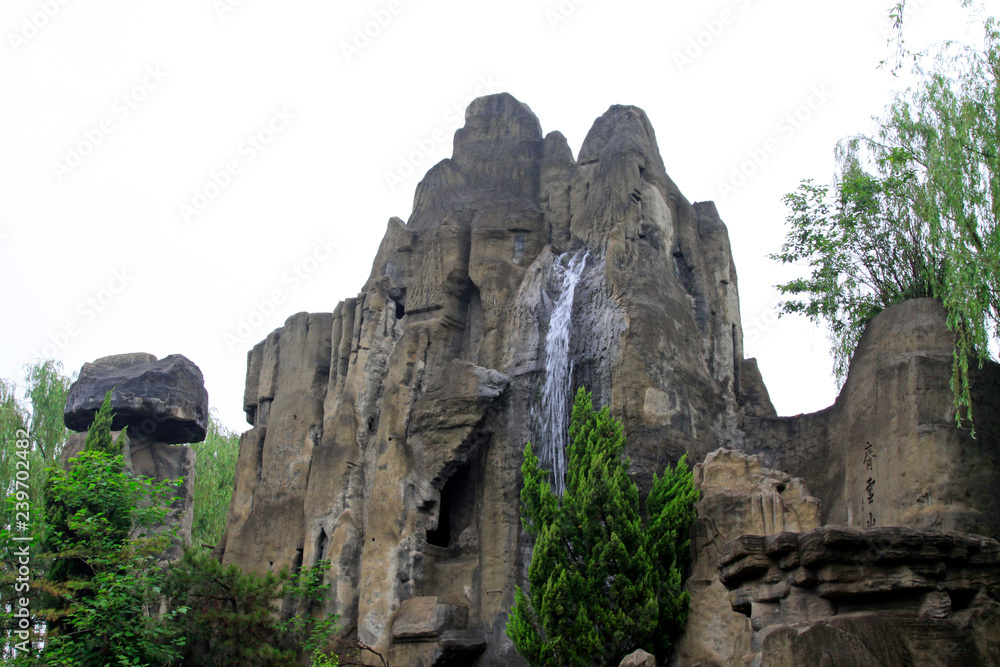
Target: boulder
(165,400)
(162,403)
(638,658)
(738,496)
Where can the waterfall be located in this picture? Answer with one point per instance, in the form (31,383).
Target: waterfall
(556,391)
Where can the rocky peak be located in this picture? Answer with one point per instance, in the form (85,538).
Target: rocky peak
(402,464)
(388,435)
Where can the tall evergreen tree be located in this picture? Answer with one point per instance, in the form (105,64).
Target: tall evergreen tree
(602,582)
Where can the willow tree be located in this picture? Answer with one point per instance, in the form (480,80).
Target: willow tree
(602,581)
(215,471)
(914,211)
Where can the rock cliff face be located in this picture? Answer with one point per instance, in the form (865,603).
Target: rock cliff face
(738,497)
(893,453)
(387,436)
(879,596)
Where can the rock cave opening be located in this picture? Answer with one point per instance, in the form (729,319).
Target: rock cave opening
(457,508)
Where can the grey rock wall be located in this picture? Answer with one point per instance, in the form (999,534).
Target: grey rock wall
(387,436)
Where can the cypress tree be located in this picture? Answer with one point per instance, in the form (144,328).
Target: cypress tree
(602,582)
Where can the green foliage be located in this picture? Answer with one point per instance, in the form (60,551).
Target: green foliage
(100,535)
(916,209)
(99,433)
(31,437)
(237,619)
(215,470)
(865,249)
(47,388)
(602,581)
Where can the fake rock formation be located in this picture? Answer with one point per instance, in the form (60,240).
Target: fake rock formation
(387,436)
(162,403)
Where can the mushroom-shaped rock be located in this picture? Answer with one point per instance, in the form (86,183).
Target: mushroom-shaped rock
(165,400)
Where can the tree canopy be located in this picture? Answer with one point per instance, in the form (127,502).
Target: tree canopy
(912,212)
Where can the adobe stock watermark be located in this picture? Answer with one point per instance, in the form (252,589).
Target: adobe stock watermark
(376,23)
(223,8)
(560,13)
(218,180)
(121,108)
(32,25)
(86,312)
(755,328)
(19,549)
(291,280)
(784,129)
(710,31)
(409,162)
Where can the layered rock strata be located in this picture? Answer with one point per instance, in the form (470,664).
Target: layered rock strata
(874,596)
(739,496)
(160,403)
(387,435)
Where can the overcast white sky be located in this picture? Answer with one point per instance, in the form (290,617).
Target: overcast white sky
(181,177)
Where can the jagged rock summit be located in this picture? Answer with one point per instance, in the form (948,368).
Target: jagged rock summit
(387,436)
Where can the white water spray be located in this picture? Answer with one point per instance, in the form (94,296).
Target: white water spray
(556,391)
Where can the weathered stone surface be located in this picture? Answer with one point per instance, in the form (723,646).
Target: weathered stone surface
(161,461)
(427,619)
(165,400)
(738,496)
(893,454)
(388,435)
(638,658)
(882,596)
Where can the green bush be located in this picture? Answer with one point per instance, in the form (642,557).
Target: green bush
(602,581)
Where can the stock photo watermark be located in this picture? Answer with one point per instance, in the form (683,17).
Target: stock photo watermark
(87,311)
(710,31)
(121,108)
(218,180)
(364,34)
(20,549)
(560,13)
(759,325)
(291,280)
(786,127)
(223,8)
(33,24)
(408,163)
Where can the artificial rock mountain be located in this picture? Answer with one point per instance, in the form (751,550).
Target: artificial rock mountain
(387,436)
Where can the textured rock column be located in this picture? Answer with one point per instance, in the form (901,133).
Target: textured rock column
(738,497)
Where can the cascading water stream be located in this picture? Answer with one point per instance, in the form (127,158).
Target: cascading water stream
(556,391)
